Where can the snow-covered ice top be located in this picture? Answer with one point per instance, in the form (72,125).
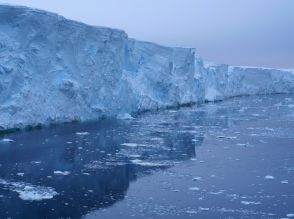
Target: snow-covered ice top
(56,70)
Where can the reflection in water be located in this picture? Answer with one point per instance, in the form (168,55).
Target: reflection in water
(94,163)
(75,169)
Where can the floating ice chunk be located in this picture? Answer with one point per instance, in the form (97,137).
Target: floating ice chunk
(220,136)
(203,209)
(6,140)
(191,212)
(198,178)
(290,215)
(231,137)
(61,173)
(156,139)
(285,182)
(216,193)
(125,116)
(291,105)
(29,192)
(82,133)
(250,203)
(241,144)
(20,174)
(134,155)
(194,188)
(147,164)
(129,144)
(269,177)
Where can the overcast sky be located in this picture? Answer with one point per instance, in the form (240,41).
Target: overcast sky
(238,32)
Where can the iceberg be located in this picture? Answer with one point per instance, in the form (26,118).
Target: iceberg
(55,70)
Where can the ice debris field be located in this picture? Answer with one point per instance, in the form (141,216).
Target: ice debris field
(55,70)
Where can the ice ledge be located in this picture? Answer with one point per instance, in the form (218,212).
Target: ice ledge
(55,70)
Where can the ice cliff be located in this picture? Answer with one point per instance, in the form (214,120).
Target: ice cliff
(56,70)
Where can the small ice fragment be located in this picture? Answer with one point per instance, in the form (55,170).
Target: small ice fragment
(134,155)
(130,144)
(7,140)
(240,144)
(250,203)
(157,139)
(290,215)
(284,182)
(191,212)
(197,178)
(69,142)
(61,173)
(203,209)
(194,188)
(231,137)
(269,177)
(146,163)
(82,133)
(125,116)
(20,174)
(29,192)
(220,136)
(291,105)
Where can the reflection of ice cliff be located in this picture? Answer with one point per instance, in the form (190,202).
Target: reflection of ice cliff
(56,70)
(99,164)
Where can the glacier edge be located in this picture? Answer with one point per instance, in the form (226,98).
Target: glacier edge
(55,70)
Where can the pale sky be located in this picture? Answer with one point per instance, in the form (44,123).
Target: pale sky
(238,32)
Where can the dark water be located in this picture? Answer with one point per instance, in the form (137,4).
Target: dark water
(233,159)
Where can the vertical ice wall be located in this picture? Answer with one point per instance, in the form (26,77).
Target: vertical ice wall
(56,70)
(223,81)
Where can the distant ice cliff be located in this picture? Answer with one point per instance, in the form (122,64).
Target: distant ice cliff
(55,70)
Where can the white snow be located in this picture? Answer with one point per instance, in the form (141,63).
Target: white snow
(68,71)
